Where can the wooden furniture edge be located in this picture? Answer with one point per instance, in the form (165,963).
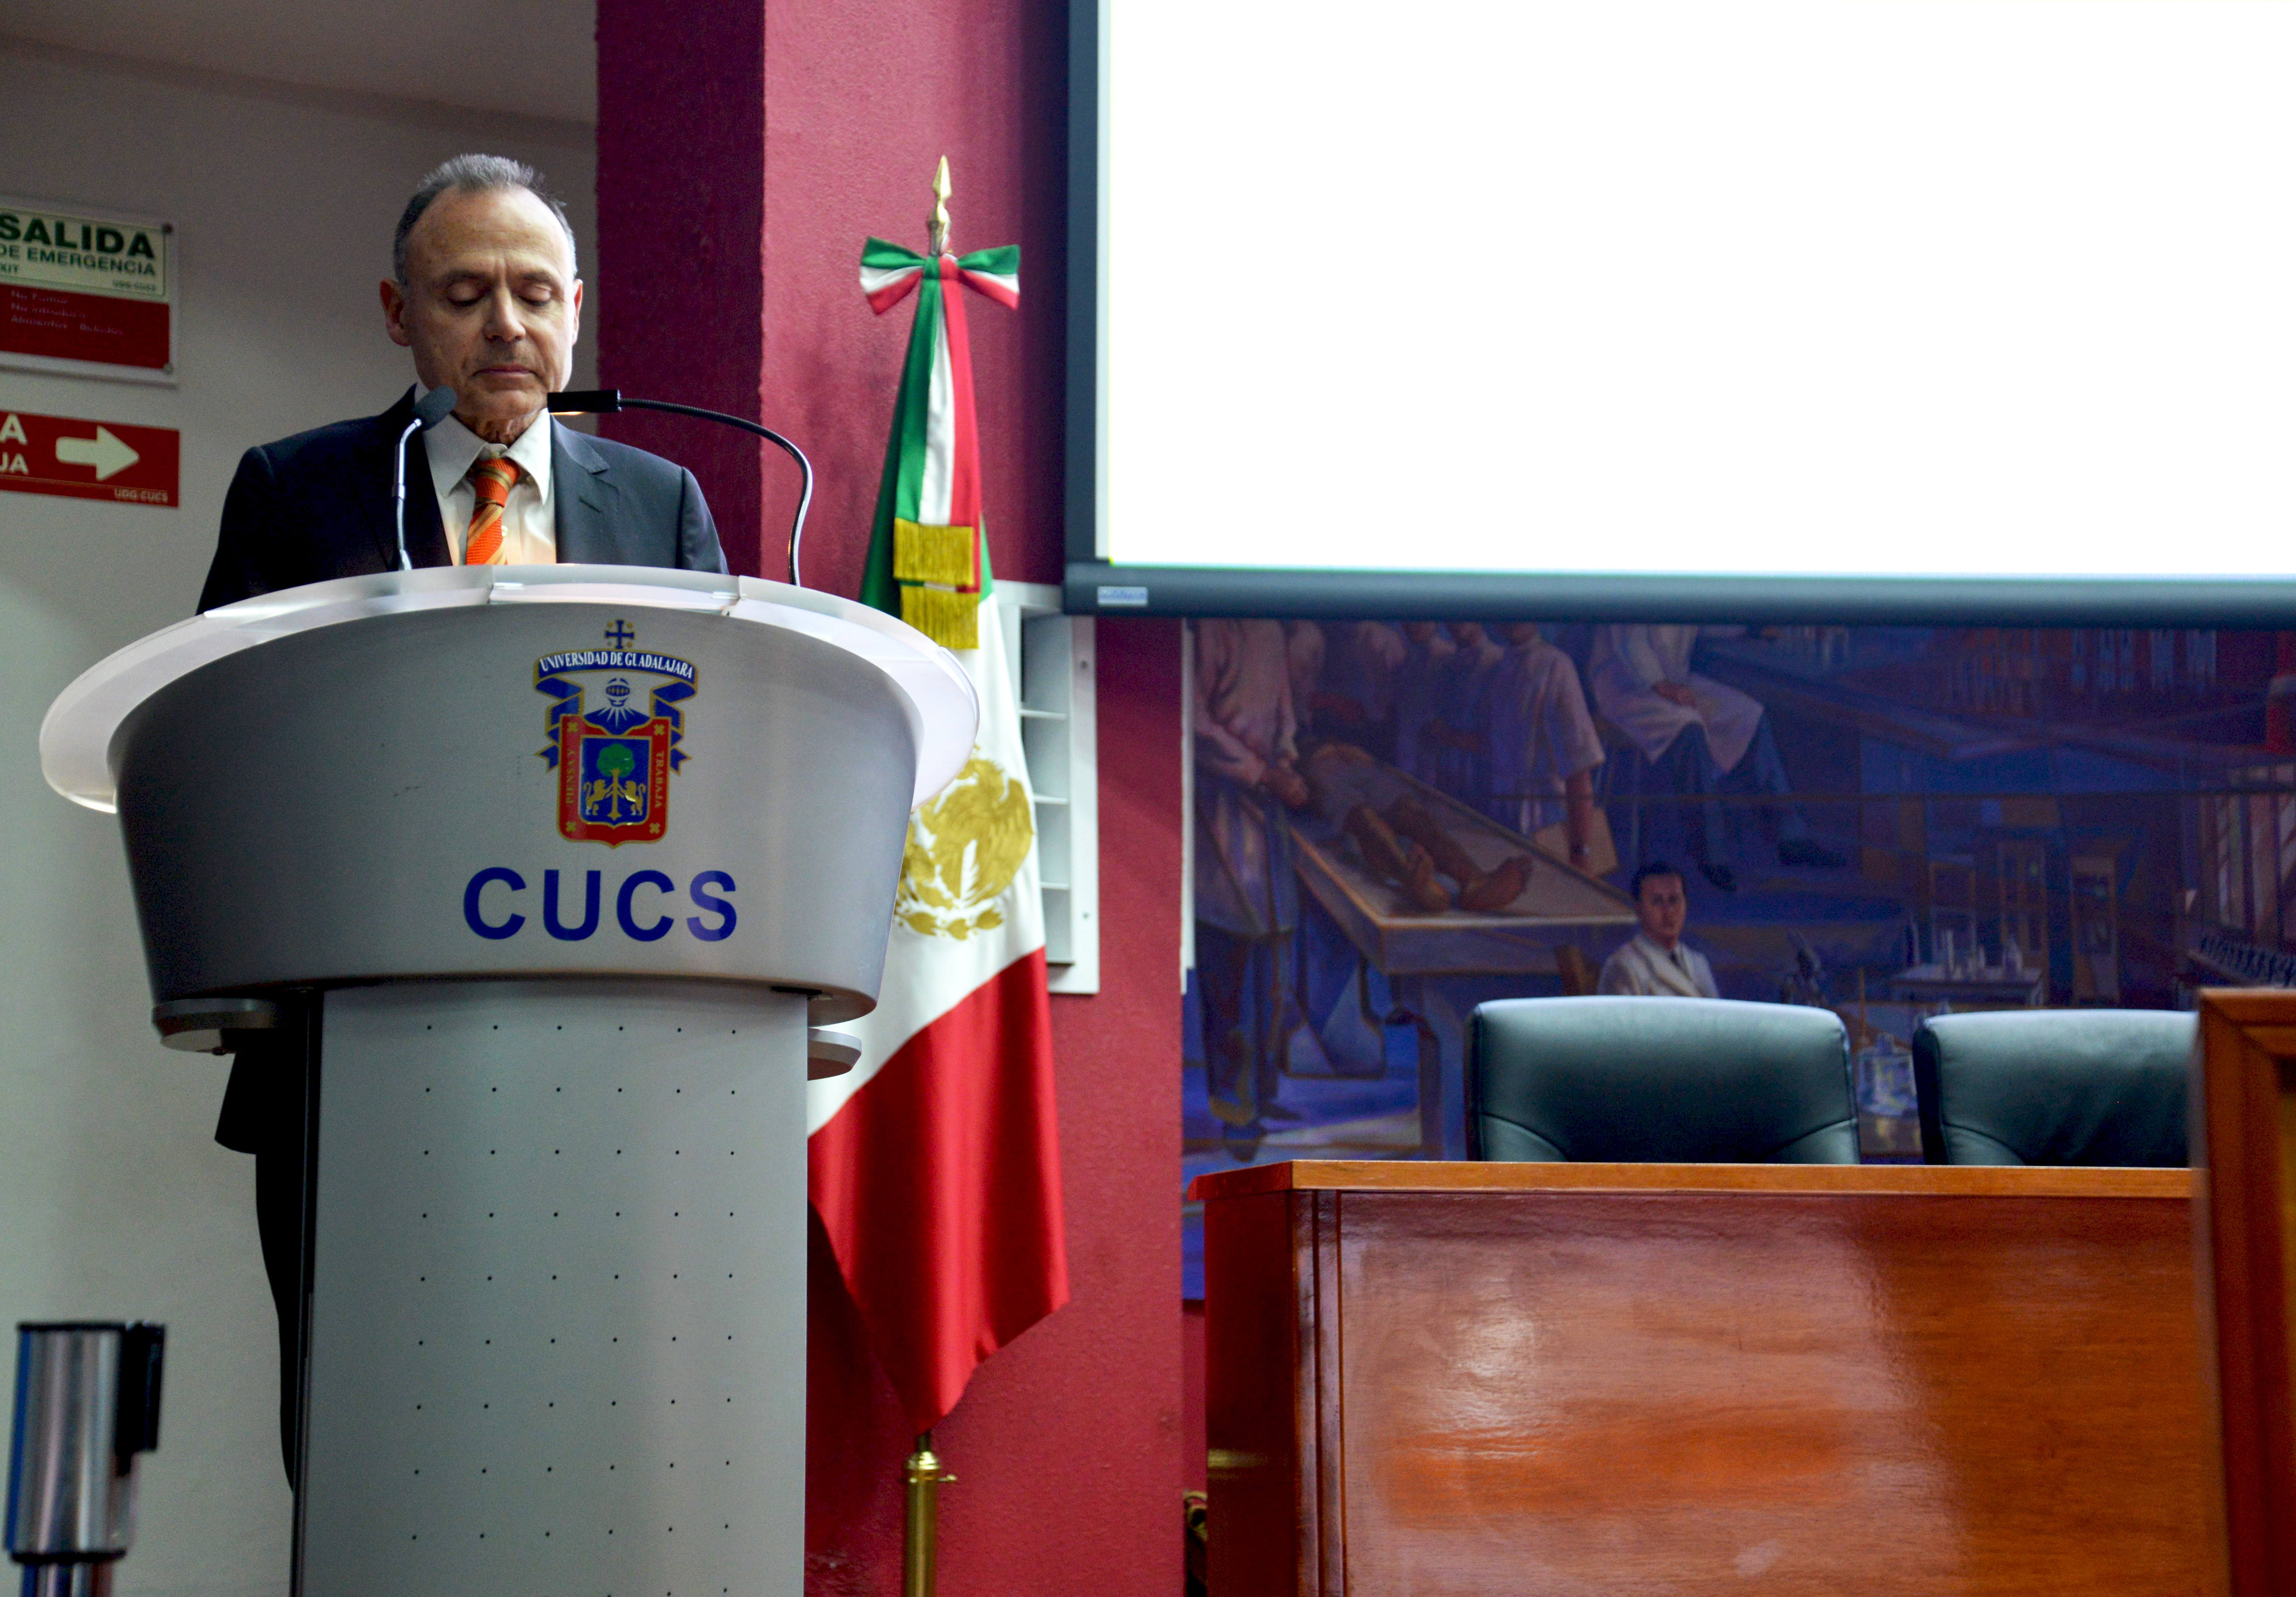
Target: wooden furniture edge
(2251,1006)
(1920,1180)
(2246,1037)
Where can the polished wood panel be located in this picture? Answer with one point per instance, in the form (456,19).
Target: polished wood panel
(1442,1378)
(2245,1148)
(1414,1175)
(1262,1264)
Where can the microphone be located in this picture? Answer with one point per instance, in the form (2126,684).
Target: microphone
(605,402)
(430,410)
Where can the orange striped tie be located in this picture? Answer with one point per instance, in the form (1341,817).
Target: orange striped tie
(491,481)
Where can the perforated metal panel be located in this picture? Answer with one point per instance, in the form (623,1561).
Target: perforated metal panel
(558,1338)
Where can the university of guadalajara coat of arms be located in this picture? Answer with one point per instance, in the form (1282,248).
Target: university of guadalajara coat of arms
(614,761)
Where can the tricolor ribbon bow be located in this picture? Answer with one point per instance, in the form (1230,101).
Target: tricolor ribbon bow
(928,563)
(889,271)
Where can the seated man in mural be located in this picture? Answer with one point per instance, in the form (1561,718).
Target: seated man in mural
(1656,962)
(1701,736)
(1541,744)
(1247,897)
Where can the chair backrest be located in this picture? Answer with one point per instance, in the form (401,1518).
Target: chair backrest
(2054,1086)
(1692,1080)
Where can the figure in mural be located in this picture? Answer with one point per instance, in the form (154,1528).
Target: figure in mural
(1353,696)
(1303,657)
(1656,962)
(1247,896)
(1458,728)
(1542,746)
(1701,739)
(1419,680)
(1399,839)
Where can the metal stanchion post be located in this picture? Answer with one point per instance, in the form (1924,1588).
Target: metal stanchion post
(921,1530)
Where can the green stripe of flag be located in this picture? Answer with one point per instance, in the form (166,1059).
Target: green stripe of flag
(898,490)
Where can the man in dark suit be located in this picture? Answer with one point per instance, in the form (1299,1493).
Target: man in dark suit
(485,294)
(317,506)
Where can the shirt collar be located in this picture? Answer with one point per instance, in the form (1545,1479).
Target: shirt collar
(452,448)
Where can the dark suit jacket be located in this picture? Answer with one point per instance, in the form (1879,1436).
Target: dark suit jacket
(317,506)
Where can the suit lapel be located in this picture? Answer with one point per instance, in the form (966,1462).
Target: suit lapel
(426,536)
(587,495)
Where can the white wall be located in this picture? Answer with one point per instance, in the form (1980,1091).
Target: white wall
(114,1202)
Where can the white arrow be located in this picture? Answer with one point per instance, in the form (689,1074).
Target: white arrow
(104,452)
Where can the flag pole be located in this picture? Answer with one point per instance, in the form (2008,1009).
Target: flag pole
(921,1530)
(922,1128)
(921,1474)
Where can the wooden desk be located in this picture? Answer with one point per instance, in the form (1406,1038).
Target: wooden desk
(1511,1378)
(2245,1147)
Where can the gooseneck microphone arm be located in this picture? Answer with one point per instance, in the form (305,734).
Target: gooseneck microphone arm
(605,402)
(430,410)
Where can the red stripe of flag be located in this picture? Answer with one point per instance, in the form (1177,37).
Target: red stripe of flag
(951,1240)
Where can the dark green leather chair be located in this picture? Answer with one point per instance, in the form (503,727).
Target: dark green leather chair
(2054,1086)
(1690,1080)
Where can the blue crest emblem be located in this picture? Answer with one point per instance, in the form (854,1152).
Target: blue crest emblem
(614,761)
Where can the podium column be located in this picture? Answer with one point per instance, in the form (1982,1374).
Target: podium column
(558,1307)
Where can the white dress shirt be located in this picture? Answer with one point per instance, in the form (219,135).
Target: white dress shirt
(529,525)
(1642,968)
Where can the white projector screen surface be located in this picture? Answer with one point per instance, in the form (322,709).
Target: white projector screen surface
(1946,288)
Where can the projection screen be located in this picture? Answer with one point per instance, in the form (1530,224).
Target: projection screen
(1853,307)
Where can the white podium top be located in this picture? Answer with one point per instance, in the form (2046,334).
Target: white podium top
(76,737)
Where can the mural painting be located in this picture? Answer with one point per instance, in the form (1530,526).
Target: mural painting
(1393,822)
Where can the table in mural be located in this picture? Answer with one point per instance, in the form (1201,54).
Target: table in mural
(1562,919)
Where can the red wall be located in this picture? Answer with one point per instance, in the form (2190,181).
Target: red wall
(675,290)
(743,156)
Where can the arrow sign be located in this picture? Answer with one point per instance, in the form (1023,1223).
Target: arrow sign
(83,460)
(104,452)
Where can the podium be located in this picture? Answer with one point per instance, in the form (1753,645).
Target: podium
(563,873)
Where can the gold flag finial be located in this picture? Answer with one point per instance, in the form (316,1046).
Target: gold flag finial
(940,208)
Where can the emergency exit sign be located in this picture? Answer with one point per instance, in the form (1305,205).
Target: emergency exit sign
(87,293)
(89,460)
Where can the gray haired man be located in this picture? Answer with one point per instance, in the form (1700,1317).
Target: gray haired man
(483,293)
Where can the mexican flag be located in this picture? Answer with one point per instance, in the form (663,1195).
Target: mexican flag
(935,1162)
(928,562)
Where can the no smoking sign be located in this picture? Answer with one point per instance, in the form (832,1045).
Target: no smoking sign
(89,460)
